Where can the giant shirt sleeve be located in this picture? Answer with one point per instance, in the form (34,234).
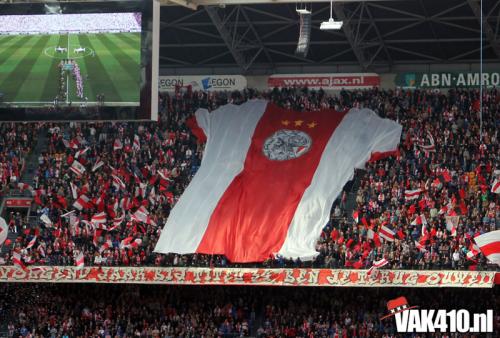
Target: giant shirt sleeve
(360,134)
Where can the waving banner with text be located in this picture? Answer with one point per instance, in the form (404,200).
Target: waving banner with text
(251,277)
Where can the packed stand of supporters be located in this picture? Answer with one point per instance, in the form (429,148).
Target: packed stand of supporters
(104,190)
(160,311)
(54,24)
(16,142)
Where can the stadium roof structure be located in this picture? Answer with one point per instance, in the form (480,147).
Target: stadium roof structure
(260,37)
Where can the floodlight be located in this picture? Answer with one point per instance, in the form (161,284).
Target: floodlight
(303,11)
(331,24)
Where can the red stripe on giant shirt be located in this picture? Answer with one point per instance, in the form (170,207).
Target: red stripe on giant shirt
(251,220)
(491,248)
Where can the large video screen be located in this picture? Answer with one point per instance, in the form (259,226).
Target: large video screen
(77,61)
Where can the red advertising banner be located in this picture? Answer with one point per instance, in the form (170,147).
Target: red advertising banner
(18,202)
(325,81)
(232,276)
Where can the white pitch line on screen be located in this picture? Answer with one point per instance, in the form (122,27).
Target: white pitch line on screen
(67,78)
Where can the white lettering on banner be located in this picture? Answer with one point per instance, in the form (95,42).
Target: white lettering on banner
(435,80)
(447,80)
(202,82)
(325,81)
(231,276)
(495,79)
(425,81)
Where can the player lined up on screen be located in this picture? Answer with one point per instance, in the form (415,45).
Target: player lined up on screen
(70,23)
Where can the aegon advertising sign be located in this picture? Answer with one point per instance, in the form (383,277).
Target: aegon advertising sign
(325,81)
(248,276)
(447,80)
(202,82)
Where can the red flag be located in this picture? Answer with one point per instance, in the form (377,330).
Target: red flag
(355,216)
(334,234)
(62,201)
(358,264)
(401,234)
(412,209)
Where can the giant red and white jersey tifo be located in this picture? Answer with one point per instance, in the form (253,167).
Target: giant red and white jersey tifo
(268,179)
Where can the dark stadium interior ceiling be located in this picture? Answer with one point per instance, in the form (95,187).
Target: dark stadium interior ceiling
(377,35)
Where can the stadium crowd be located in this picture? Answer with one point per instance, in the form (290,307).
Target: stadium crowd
(16,142)
(78,23)
(106,189)
(53,310)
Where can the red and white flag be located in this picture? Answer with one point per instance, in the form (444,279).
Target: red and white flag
(4,230)
(376,265)
(68,214)
(452,224)
(41,250)
(118,183)
(117,221)
(428,147)
(137,143)
(374,237)
(273,179)
(473,252)
(46,220)
(489,244)
(130,242)
(495,188)
(142,215)
(81,152)
(125,203)
(417,220)
(380,263)
(141,190)
(117,145)
(24,186)
(17,260)
(83,202)
(420,246)
(31,243)
(74,223)
(108,244)
(97,165)
(79,260)
(74,190)
(412,194)
(355,216)
(99,218)
(387,233)
(77,168)
(164,174)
